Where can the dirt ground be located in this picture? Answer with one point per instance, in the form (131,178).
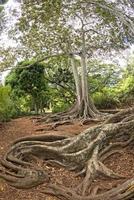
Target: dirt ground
(26,126)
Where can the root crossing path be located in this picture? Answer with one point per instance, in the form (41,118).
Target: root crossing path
(86,154)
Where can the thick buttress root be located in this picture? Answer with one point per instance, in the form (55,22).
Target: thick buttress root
(83,153)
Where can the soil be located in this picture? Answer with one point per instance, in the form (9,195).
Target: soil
(26,126)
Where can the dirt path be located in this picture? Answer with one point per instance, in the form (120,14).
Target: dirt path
(124,164)
(24,127)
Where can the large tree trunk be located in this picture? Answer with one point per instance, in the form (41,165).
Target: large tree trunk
(77,80)
(84,153)
(85,107)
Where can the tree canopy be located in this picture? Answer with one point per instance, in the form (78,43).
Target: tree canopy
(59,25)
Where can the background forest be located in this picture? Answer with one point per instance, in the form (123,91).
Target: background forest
(50,87)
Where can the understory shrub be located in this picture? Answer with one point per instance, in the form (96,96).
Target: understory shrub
(126,91)
(6,104)
(106,99)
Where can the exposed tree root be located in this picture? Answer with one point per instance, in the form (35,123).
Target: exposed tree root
(67,122)
(86,112)
(89,121)
(83,153)
(121,192)
(123,115)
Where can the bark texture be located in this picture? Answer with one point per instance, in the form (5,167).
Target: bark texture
(84,153)
(85,108)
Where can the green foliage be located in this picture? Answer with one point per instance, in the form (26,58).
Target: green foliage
(1,8)
(60,106)
(55,26)
(41,85)
(59,73)
(6,104)
(63,76)
(51,85)
(126,90)
(60,99)
(102,75)
(3,1)
(61,83)
(106,99)
(118,89)
(103,79)
(28,86)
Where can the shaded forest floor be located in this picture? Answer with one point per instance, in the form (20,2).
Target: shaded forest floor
(27,126)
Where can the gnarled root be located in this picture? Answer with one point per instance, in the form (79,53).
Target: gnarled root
(83,153)
(121,192)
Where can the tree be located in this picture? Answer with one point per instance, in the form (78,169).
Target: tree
(29,81)
(62,89)
(85,152)
(76,28)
